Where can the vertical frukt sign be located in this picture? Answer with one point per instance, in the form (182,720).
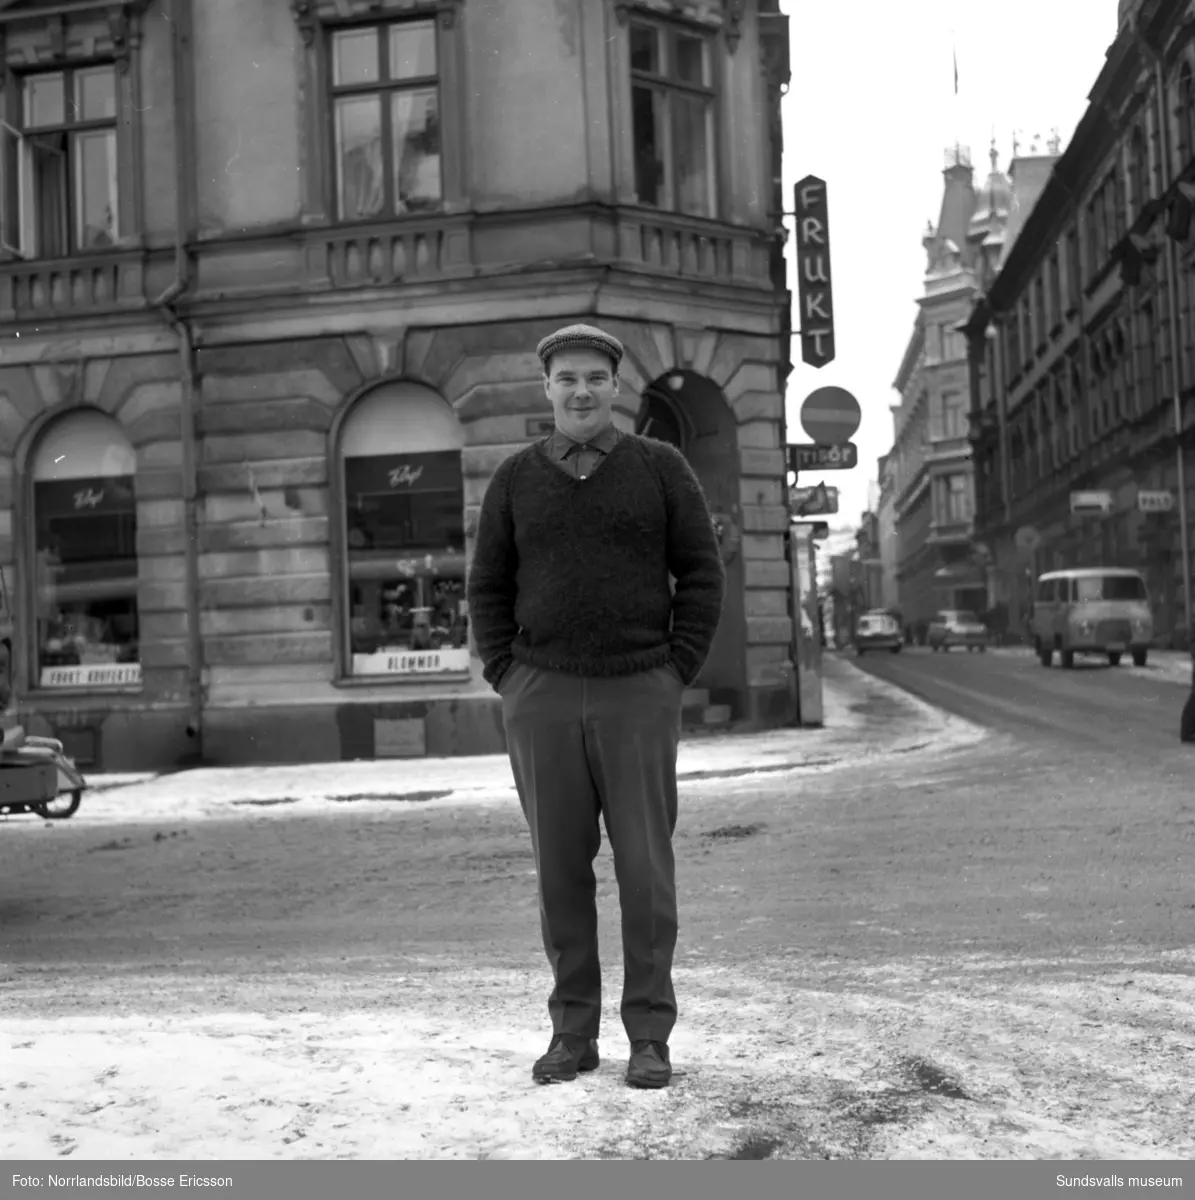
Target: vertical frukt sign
(813,272)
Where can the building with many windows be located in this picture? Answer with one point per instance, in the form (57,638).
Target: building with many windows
(927,476)
(1075,358)
(271,279)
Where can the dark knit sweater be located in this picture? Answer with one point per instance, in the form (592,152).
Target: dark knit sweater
(572,575)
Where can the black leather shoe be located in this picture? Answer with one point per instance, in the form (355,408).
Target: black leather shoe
(567,1054)
(649,1065)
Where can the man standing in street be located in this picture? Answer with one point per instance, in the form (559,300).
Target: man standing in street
(590,648)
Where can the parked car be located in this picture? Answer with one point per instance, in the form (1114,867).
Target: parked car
(1092,610)
(957,627)
(878,631)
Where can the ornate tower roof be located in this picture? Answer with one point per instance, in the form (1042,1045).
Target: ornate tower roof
(994,201)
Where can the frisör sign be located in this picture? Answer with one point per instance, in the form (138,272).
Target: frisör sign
(813,272)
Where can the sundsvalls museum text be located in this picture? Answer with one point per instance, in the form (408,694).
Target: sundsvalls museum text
(121,1181)
(1119,1181)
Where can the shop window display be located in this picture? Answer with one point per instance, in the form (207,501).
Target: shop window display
(406,563)
(82,558)
(86,582)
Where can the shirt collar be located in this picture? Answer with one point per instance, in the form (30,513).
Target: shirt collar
(560,443)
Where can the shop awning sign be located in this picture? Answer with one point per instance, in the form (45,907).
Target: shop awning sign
(1088,503)
(1155,502)
(386,474)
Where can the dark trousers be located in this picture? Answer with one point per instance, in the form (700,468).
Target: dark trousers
(580,747)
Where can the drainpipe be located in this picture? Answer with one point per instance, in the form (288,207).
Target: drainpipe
(1172,268)
(179,16)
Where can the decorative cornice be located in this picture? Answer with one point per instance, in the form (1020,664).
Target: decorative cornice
(709,14)
(309,13)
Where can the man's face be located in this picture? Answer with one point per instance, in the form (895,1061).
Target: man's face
(581,385)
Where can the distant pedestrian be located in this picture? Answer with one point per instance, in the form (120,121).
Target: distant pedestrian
(590,650)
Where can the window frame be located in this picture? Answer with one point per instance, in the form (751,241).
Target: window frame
(954,402)
(25,663)
(384,88)
(667,30)
(338,514)
(1139,173)
(113,38)
(1184,113)
(317,20)
(29,249)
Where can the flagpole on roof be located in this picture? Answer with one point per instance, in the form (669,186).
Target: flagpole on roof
(954,62)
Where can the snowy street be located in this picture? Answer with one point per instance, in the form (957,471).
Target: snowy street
(900,937)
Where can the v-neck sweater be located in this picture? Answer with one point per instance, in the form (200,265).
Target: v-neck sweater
(572,575)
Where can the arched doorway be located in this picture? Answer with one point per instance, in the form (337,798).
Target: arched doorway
(660,418)
(690,411)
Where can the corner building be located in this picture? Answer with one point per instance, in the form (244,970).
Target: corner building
(271,279)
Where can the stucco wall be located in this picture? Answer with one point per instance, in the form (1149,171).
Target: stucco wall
(527,113)
(246,114)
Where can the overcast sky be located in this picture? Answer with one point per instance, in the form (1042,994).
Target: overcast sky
(871,110)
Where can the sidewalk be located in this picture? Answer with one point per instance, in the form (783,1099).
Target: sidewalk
(864,717)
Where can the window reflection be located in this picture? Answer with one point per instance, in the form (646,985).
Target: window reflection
(406,563)
(86,581)
(386,120)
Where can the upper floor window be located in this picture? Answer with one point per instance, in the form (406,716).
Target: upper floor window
(954,415)
(1138,171)
(958,498)
(1012,343)
(1185,114)
(672,115)
(58,191)
(1055,298)
(1073,284)
(386,119)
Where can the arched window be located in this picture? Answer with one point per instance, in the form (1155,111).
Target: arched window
(404,530)
(85,554)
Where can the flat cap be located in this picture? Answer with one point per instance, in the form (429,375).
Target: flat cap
(579,337)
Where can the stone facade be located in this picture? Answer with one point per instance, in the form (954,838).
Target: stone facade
(237,330)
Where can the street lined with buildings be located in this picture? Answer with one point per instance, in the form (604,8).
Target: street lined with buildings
(949,946)
(1126,711)
(1044,418)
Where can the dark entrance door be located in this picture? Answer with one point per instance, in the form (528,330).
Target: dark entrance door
(659,419)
